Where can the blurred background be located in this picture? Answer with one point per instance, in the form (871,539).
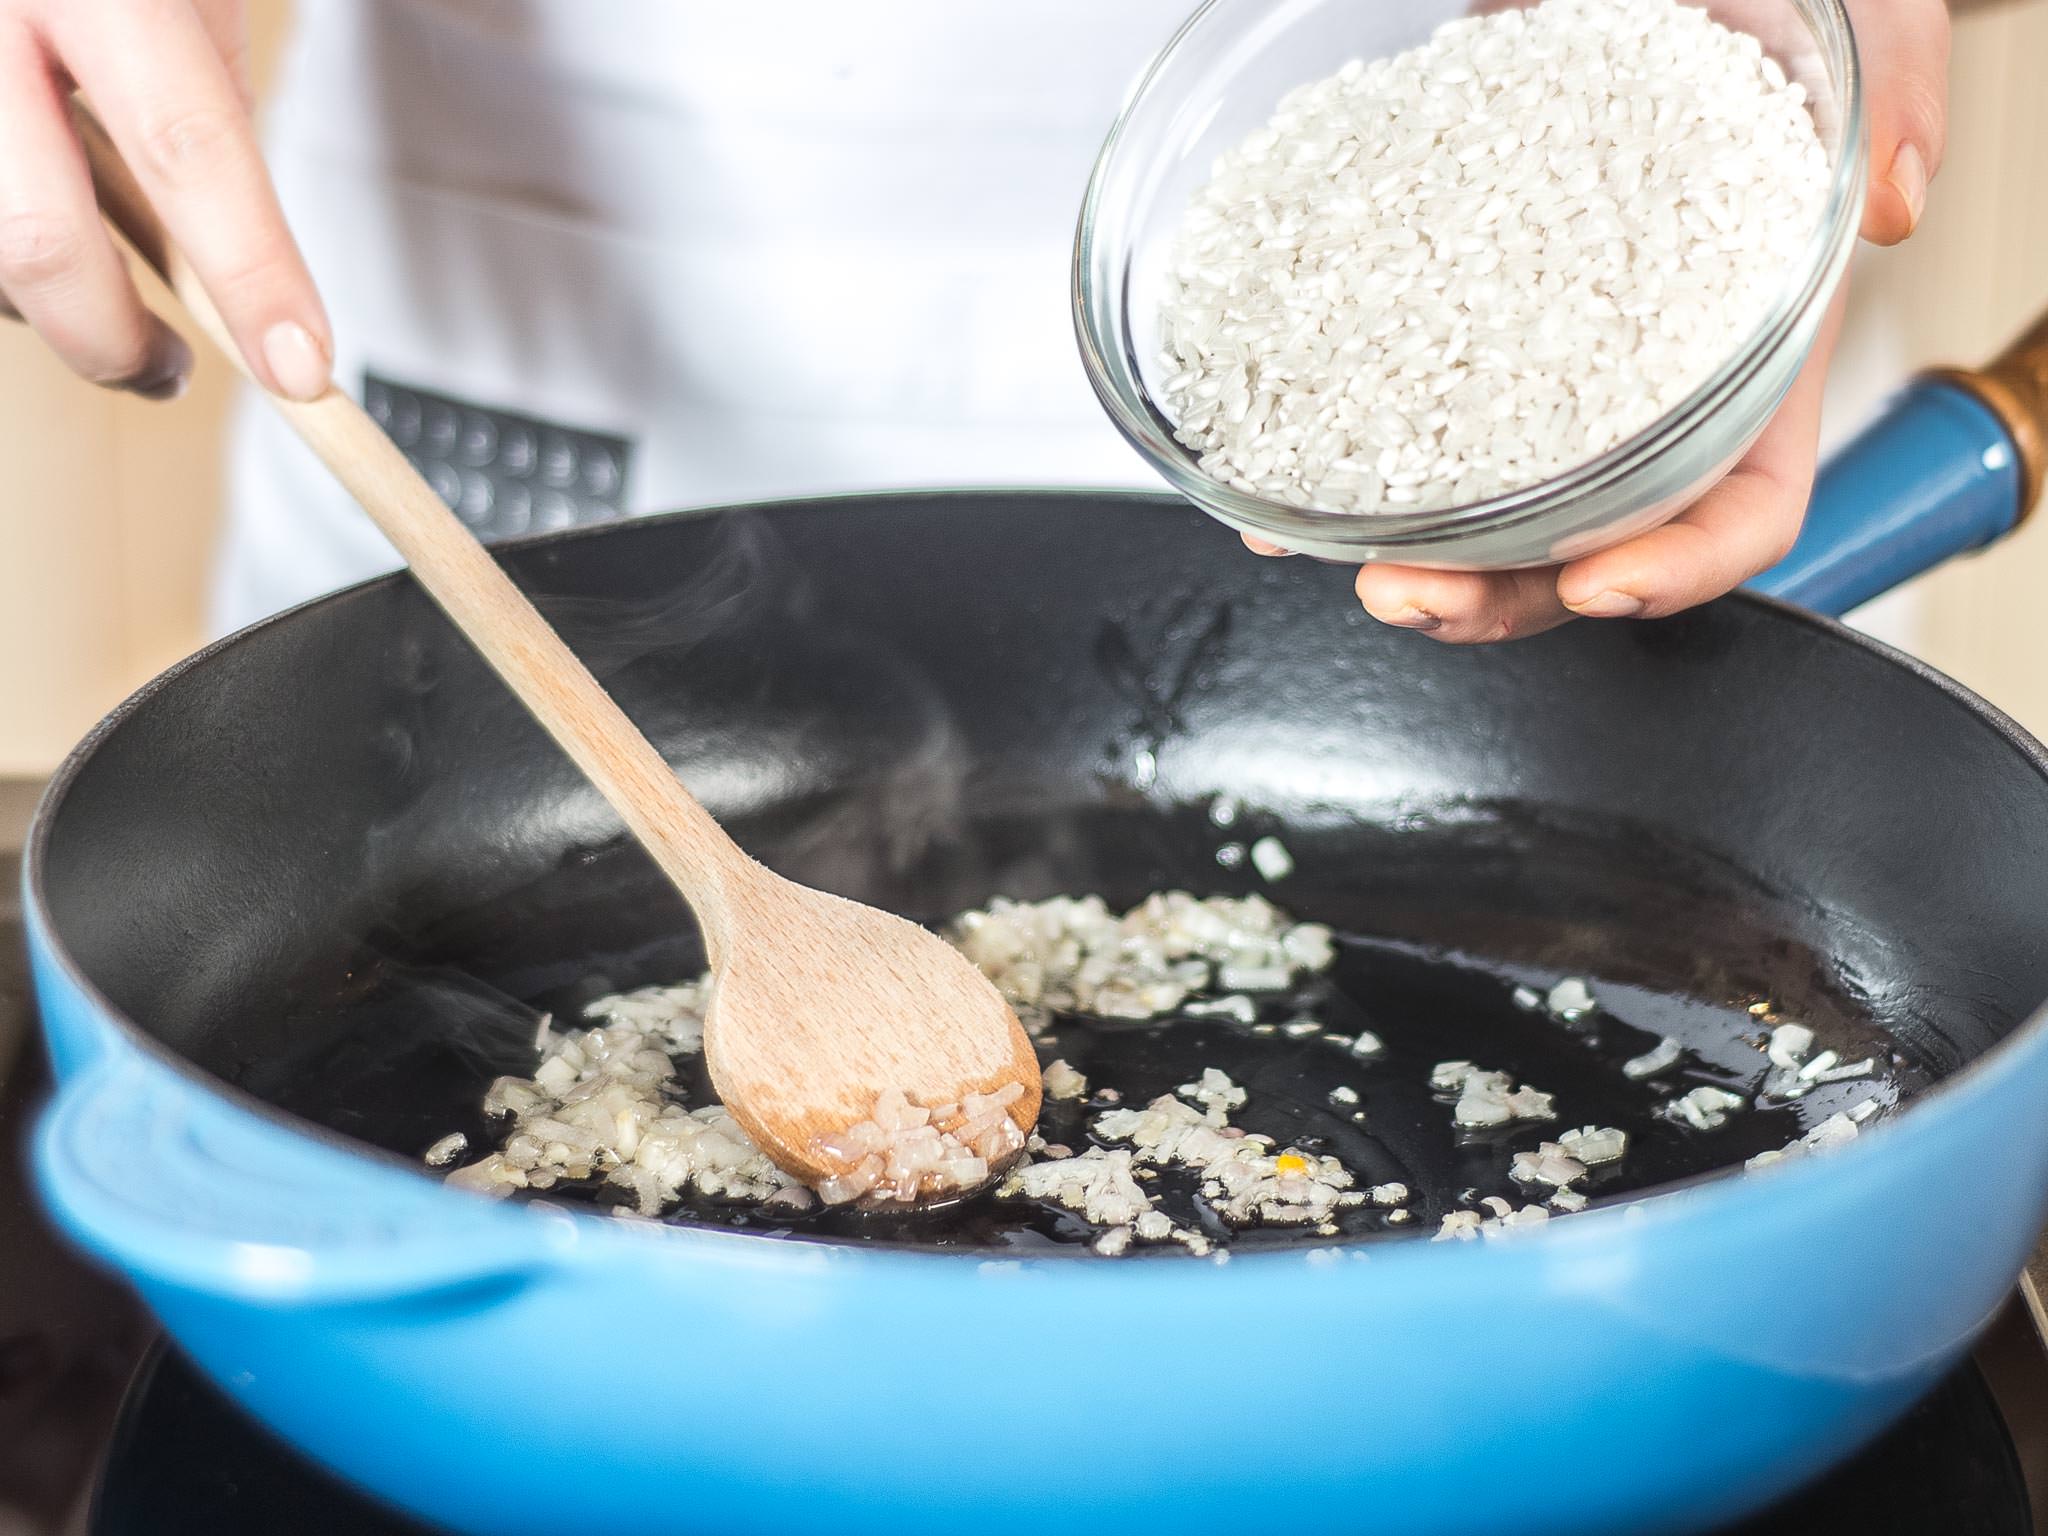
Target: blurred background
(109,507)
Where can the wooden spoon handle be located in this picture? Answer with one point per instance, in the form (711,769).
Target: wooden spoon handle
(469,586)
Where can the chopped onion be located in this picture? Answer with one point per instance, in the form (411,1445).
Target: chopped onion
(1570,999)
(1595,1145)
(1236,1006)
(1271,859)
(1706,1108)
(1486,1098)
(1660,1057)
(1063,1082)
(1549,1164)
(1789,1045)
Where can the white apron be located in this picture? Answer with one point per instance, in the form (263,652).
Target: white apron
(779,247)
(768,248)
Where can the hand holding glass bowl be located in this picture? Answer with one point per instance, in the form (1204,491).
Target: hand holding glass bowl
(1691,506)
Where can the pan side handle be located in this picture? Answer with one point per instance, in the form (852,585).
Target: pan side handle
(1954,462)
(175,1187)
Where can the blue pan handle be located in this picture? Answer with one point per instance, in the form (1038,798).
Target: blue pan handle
(1953,463)
(180,1188)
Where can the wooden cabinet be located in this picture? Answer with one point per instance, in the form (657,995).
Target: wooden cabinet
(108,513)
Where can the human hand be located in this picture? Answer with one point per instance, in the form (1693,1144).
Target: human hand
(169,80)
(1748,521)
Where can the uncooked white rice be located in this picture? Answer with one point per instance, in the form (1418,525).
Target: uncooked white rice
(1467,268)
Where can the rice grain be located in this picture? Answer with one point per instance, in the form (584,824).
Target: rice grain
(1467,268)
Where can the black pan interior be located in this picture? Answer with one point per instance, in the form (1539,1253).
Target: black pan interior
(333,864)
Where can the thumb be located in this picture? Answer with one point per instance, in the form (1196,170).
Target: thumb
(1904,48)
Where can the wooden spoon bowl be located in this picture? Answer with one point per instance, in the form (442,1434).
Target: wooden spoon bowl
(827,1000)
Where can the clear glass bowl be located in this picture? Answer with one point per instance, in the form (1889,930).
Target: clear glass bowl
(1223,75)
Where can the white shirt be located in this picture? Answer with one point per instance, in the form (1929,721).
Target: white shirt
(783,247)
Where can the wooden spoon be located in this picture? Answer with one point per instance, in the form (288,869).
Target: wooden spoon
(819,1005)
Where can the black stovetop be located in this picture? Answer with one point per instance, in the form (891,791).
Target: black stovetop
(181,1460)
(185,1462)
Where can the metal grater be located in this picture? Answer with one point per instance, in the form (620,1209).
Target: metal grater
(502,472)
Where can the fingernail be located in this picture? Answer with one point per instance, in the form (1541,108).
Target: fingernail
(1411,617)
(298,364)
(1608,605)
(1909,177)
(169,372)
